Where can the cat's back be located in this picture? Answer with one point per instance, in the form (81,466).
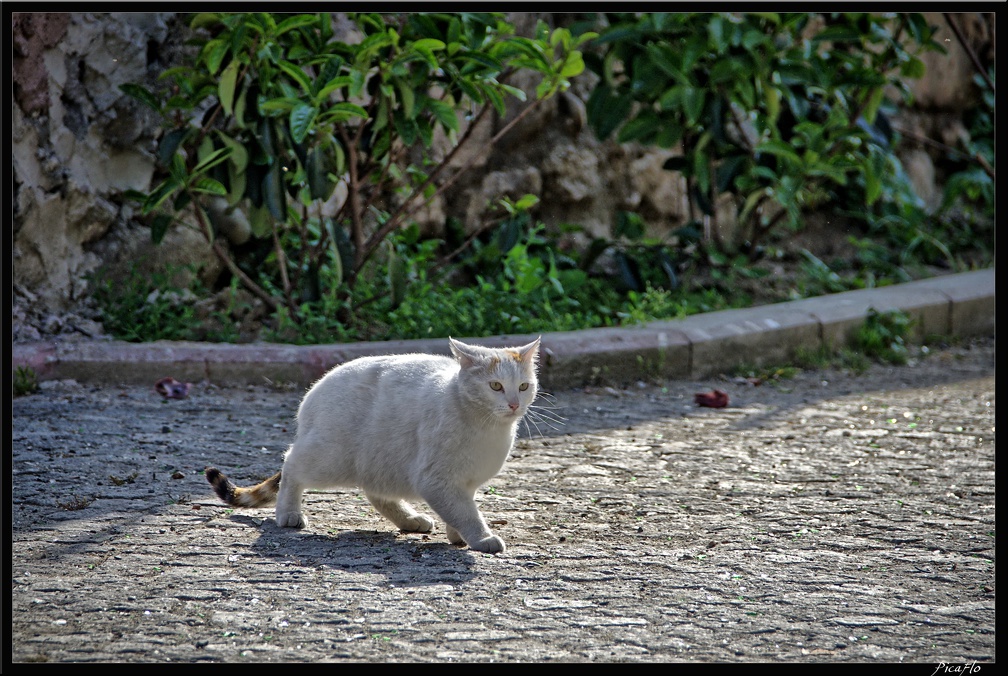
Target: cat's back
(393,383)
(391,370)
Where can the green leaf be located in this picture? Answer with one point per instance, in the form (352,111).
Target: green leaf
(715,33)
(274,194)
(872,106)
(526,202)
(343,111)
(357,79)
(297,73)
(226,87)
(429,44)
(170,143)
(204,19)
(470,91)
(278,105)
(754,198)
(513,91)
(317,170)
(641,128)
(159,227)
(694,99)
(779,149)
(913,68)
(157,196)
(606,110)
(302,117)
(215,51)
(665,57)
(134,195)
(177,168)
(444,113)
(837,34)
(238,182)
(209,186)
(239,155)
(397,278)
(629,224)
(495,98)
(573,65)
(295,22)
(407,99)
(333,85)
(142,95)
(669,134)
(478,59)
(212,160)
(260,221)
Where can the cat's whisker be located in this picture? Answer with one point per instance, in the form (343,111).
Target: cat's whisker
(530,420)
(528,430)
(549,419)
(534,421)
(556,427)
(548,414)
(549,398)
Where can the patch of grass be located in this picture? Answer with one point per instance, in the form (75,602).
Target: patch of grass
(148,305)
(761,374)
(74,503)
(885,336)
(119,481)
(824,357)
(25,381)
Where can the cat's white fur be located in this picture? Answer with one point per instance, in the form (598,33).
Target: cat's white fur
(413,427)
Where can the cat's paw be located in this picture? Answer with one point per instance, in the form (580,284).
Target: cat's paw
(291,520)
(453,536)
(418,524)
(490,545)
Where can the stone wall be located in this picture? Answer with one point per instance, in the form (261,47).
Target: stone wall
(78,142)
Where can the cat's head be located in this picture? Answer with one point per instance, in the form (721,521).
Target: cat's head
(502,380)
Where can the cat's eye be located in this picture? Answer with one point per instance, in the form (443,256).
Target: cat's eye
(496,387)
(523,387)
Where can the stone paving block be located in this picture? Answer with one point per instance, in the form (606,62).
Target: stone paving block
(842,314)
(971,301)
(761,335)
(613,356)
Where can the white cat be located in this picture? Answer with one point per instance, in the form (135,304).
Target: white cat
(405,427)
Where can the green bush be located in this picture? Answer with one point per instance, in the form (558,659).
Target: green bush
(274,112)
(782,113)
(779,111)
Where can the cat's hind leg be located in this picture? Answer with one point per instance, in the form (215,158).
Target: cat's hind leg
(402,514)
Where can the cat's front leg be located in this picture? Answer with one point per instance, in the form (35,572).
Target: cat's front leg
(493,544)
(463,521)
(454,536)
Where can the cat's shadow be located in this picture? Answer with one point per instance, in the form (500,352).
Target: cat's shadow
(404,559)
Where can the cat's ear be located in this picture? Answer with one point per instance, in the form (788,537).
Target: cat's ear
(530,353)
(463,353)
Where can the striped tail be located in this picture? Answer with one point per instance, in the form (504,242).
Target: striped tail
(260,495)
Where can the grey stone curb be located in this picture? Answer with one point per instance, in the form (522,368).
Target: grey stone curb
(958,305)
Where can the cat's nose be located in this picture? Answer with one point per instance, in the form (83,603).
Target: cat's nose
(513,405)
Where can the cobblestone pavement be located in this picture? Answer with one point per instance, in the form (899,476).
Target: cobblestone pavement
(828,517)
